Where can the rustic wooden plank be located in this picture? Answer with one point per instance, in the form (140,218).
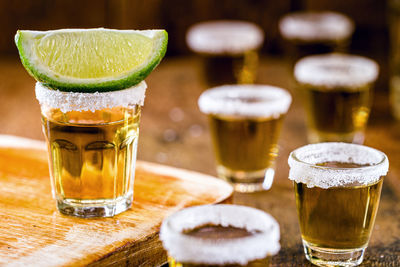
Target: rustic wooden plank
(34,233)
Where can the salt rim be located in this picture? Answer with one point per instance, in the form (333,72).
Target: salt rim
(224,36)
(72,101)
(303,169)
(185,248)
(228,100)
(336,70)
(316,26)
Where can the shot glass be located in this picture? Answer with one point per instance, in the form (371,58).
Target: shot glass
(245,124)
(92,142)
(229,50)
(337,187)
(316,32)
(337,91)
(220,235)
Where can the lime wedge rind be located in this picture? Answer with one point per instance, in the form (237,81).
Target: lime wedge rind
(49,78)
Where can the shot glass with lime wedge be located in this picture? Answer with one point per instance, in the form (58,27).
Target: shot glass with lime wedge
(91,88)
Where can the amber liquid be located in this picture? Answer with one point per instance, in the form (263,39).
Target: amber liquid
(214,232)
(92,154)
(230,69)
(338,217)
(245,144)
(337,114)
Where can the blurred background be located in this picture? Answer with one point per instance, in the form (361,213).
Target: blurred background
(370,16)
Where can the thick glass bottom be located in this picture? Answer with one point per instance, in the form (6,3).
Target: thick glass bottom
(247,181)
(95,208)
(315,136)
(333,257)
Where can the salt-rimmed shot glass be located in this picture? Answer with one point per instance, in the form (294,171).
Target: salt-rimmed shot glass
(337,187)
(229,49)
(337,91)
(245,123)
(92,142)
(220,235)
(316,32)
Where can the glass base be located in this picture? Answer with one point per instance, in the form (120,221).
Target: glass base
(247,181)
(94,208)
(319,137)
(333,257)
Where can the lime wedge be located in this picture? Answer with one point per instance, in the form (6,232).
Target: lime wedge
(90,60)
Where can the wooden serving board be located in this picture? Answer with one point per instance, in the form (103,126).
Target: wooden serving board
(34,233)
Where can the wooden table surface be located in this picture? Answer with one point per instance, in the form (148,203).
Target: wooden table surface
(34,233)
(174,132)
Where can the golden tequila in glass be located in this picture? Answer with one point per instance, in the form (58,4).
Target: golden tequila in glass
(337,188)
(220,235)
(316,32)
(337,91)
(229,50)
(245,144)
(245,123)
(92,141)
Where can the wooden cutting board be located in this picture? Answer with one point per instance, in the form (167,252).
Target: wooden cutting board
(34,233)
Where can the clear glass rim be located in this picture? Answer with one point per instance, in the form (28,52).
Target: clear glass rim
(185,248)
(271,101)
(384,159)
(291,26)
(336,70)
(304,166)
(74,101)
(200,37)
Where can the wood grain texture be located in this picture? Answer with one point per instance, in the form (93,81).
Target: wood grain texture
(34,233)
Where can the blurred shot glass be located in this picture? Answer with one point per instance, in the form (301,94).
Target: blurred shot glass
(316,32)
(229,50)
(245,124)
(337,91)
